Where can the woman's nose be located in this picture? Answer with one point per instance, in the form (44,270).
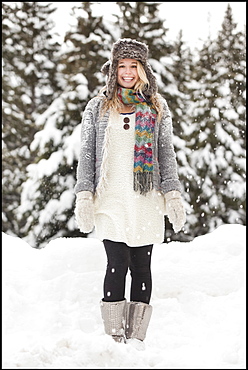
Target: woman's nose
(128,70)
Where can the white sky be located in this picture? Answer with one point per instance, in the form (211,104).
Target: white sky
(196,19)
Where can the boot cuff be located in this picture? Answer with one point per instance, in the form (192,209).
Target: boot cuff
(138,318)
(113,315)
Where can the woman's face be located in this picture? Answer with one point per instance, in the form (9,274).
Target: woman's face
(127,74)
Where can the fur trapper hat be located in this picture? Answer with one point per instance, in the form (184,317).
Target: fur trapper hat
(128,49)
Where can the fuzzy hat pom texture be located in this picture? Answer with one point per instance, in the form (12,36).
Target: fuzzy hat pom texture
(128,49)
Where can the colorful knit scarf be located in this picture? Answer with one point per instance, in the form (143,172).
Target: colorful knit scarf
(144,129)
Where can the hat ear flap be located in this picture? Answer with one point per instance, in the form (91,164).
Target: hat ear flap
(153,87)
(105,68)
(111,78)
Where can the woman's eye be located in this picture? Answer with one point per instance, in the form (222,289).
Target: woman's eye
(122,66)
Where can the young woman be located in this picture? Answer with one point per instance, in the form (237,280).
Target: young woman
(126,182)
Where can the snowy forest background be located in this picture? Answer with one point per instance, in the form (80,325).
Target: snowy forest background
(47,84)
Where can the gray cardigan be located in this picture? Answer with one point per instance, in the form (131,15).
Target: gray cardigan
(165,177)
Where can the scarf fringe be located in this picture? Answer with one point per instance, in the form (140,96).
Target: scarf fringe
(143,182)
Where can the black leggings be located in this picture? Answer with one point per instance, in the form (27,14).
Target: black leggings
(120,257)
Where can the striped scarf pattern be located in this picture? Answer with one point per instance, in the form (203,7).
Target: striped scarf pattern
(145,119)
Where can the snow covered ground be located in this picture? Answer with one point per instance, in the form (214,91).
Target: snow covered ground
(51,313)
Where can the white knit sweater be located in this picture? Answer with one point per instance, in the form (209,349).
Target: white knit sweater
(121,214)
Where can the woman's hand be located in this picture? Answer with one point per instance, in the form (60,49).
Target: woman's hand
(175,209)
(84,211)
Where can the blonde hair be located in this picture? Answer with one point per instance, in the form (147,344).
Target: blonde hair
(141,84)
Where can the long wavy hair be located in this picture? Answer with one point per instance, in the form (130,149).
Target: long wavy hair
(140,86)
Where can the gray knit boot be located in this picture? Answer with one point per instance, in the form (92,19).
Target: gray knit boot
(138,316)
(113,315)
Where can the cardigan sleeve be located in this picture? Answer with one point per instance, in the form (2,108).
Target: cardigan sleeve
(86,163)
(166,153)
